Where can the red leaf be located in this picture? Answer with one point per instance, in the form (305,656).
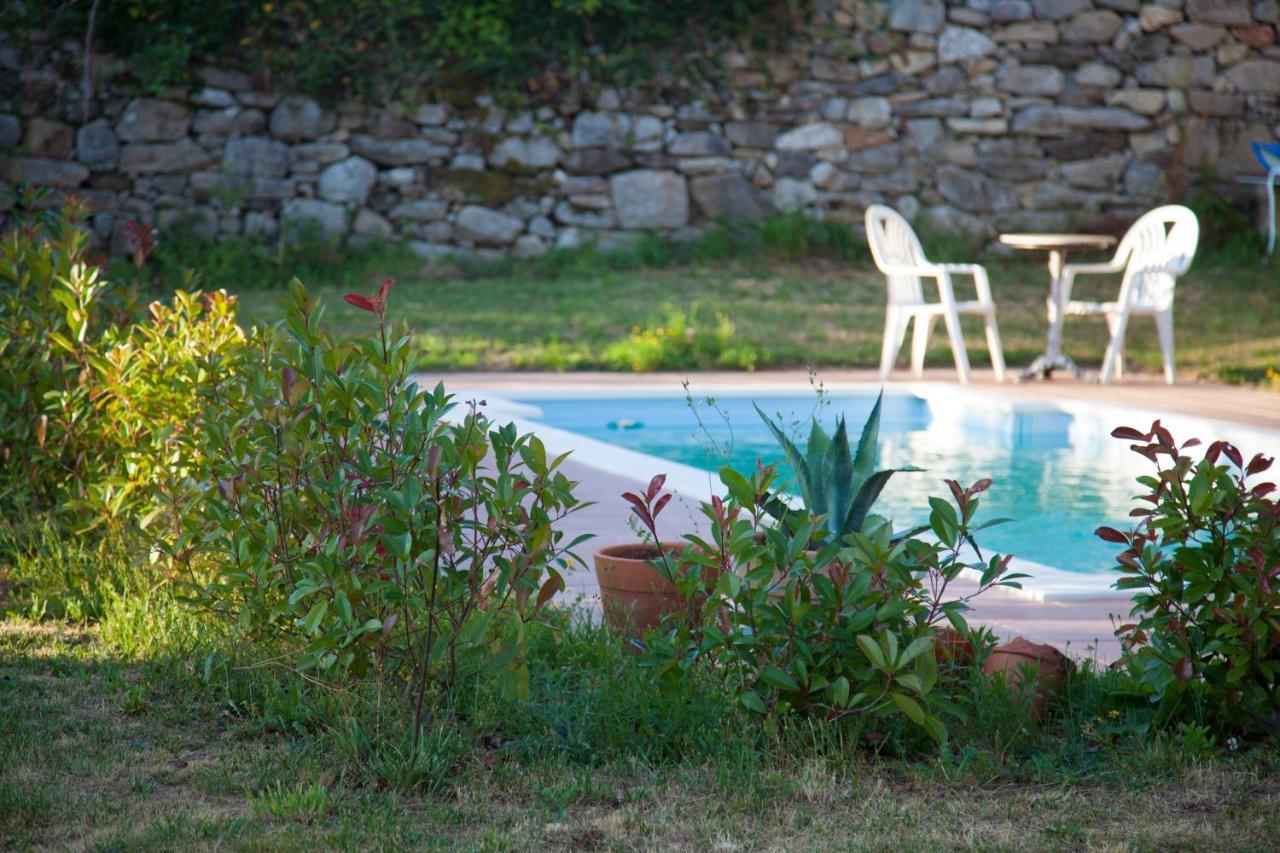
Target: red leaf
(554,584)
(1128,433)
(1258,464)
(1233,454)
(956,491)
(662,501)
(362,302)
(1190,442)
(1110,534)
(382,291)
(1182,669)
(1262,489)
(655,485)
(980,486)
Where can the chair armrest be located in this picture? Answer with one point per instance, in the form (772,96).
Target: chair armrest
(981,283)
(923,270)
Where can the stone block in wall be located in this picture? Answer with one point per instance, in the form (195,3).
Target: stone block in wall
(1009,11)
(43,172)
(751,134)
(301,214)
(1198,37)
(1147,102)
(163,157)
(299,118)
(213,97)
(96,145)
(962,44)
(793,164)
(488,227)
(793,194)
(1145,180)
(595,161)
(432,115)
(726,196)
(1059,10)
(398,152)
(526,154)
(968,191)
(350,180)
(934,108)
(649,198)
(321,152)
(1080,146)
(47,138)
(917,16)
(1232,13)
(875,161)
(224,78)
(256,157)
(467,163)
(979,126)
(1216,103)
(1256,77)
(1060,121)
(1096,27)
(566,213)
(10,131)
(1180,72)
(1066,56)
(422,210)
(1154,18)
(370,224)
(1257,36)
(874,113)
(1044,80)
(1027,32)
(153,120)
(1098,74)
(1098,174)
(810,137)
(600,130)
(700,143)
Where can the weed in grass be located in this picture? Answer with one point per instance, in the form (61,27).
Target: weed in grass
(301,802)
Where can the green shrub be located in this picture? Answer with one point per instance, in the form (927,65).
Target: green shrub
(844,633)
(1204,569)
(95,395)
(367,524)
(335,47)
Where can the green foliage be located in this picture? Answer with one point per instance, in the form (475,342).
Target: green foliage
(682,342)
(95,396)
(844,633)
(335,47)
(1204,566)
(363,521)
(835,483)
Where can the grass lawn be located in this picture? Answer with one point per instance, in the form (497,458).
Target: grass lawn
(779,314)
(105,752)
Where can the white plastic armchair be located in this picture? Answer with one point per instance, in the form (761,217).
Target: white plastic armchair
(1156,250)
(898,254)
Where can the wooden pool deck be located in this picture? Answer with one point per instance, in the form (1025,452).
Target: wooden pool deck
(1081,626)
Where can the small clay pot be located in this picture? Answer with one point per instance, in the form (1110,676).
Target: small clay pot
(1008,660)
(634,594)
(950,646)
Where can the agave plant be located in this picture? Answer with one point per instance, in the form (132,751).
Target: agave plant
(835,483)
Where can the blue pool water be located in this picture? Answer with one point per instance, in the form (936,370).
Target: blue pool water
(1057,487)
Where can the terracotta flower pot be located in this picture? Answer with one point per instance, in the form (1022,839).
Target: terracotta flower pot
(950,646)
(1051,665)
(634,595)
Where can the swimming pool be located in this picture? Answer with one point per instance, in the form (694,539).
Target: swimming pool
(1057,472)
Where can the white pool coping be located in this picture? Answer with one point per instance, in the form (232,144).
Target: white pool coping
(1091,422)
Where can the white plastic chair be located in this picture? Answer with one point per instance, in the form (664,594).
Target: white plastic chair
(897,252)
(1156,250)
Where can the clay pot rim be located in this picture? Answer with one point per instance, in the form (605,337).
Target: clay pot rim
(608,551)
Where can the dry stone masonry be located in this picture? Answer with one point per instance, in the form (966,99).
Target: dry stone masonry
(980,115)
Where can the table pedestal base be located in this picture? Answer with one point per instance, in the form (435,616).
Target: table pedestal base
(1044,366)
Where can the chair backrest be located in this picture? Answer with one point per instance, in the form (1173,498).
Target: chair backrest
(894,244)
(1158,248)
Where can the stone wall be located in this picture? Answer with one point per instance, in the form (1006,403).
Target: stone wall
(974,114)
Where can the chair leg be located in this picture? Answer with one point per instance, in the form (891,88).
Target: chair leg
(1164,330)
(1112,319)
(956,336)
(920,342)
(895,329)
(1114,347)
(993,345)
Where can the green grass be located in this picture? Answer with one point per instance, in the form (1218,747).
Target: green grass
(84,764)
(789,293)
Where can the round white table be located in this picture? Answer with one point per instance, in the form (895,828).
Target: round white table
(1057,245)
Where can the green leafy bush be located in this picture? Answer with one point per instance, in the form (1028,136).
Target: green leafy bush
(1204,569)
(369,525)
(842,633)
(366,46)
(95,395)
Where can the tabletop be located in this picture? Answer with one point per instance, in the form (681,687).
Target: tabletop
(1058,241)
